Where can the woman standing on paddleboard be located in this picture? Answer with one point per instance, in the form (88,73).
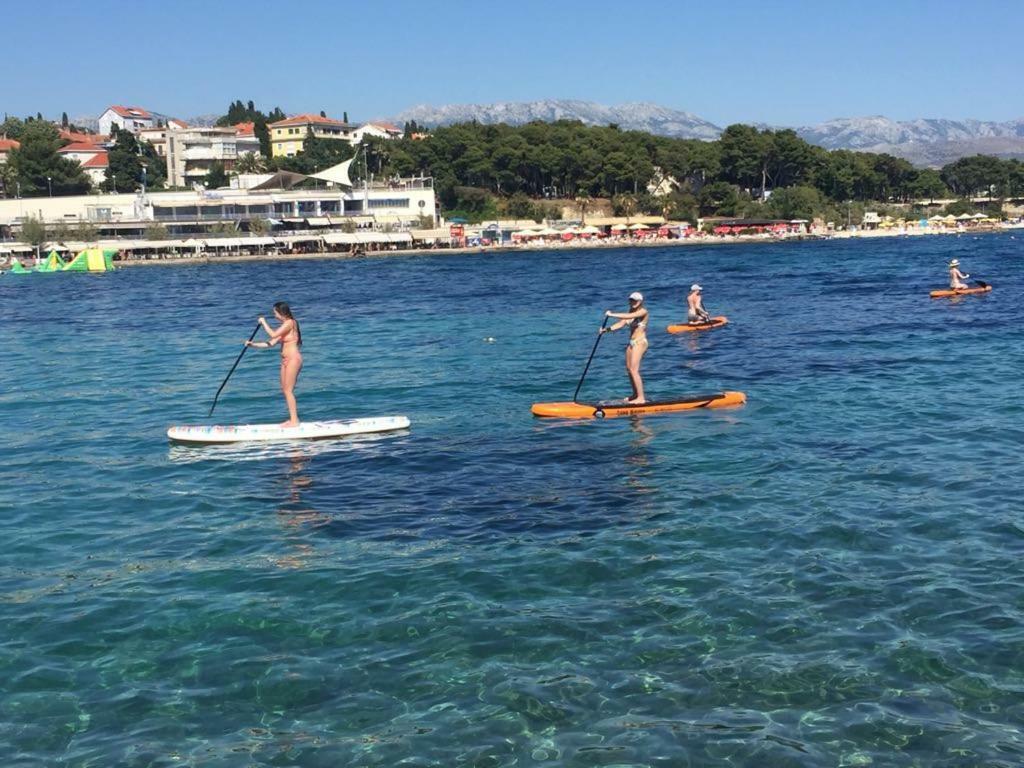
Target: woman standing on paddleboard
(636,319)
(956,277)
(288,335)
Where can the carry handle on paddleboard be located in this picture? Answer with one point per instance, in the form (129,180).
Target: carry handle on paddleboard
(587,368)
(237,361)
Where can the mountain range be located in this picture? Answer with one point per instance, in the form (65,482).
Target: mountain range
(926,142)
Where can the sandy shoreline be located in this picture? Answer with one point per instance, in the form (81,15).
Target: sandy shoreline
(588,245)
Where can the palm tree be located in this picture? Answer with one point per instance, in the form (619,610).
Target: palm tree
(583,202)
(249,162)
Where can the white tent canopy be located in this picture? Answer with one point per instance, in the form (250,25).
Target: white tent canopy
(336,174)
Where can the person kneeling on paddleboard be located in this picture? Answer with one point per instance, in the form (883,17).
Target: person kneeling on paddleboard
(695,312)
(636,318)
(956,277)
(288,335)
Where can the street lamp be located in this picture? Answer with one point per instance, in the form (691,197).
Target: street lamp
(49,185)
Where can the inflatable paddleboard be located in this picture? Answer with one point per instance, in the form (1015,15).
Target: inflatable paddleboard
(613,409)
(716,322)
(307,430)
(961,292)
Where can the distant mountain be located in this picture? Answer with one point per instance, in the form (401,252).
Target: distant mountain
(923,142)
(202,121)
(865,132)
(638,116)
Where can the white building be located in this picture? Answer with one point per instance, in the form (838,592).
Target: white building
(399,205)
(132,119)
(191,152)
(92,157)
(377,130)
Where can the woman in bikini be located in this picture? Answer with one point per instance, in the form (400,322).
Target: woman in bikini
(956,277)
(636,319)
(289,336)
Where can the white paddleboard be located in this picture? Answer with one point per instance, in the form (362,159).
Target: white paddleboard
(307,430)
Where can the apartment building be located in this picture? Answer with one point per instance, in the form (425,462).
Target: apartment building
(192,151)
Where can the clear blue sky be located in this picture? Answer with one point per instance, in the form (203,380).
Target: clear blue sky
(787,63)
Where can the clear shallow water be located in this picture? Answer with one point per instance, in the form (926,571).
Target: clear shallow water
(828,576)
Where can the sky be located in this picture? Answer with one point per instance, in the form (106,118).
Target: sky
(782,63)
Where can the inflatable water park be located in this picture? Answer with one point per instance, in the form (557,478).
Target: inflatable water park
(89,260)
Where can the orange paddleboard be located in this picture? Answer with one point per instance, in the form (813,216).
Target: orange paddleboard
(716,322)
(611,410)
(961,292)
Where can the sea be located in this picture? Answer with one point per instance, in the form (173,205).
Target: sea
(830,575)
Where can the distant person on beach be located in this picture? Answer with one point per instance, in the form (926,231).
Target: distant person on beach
(956,277)
(636,318)
(289,336)
(695,312)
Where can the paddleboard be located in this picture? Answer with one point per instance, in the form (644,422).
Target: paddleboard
(716,322)
(612,409)
(307,430)
(961,292)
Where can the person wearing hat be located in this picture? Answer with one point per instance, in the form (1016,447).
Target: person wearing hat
(636,318)
(956,277)
(695,312)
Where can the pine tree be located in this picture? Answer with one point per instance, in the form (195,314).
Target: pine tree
(38,168)
(124,168)
(64,122)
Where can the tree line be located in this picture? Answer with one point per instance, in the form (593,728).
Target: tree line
(486,170)
(747,171)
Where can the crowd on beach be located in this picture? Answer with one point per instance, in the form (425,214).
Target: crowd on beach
(469,239)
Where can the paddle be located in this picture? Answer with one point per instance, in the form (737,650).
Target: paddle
(237,361)
(589,359)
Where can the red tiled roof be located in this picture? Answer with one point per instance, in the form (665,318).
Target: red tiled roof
(389,127)
(98,160)
(245,129)
(8,144)
(177,123)
(305,119)
(82,146)
(83,138)
(138,112)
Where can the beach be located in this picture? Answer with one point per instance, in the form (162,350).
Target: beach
(828,575)
(573,245)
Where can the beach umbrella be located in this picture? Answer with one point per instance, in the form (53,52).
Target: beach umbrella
(590,230)
(636,227)
(619,228)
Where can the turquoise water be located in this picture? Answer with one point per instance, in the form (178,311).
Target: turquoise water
(828,576)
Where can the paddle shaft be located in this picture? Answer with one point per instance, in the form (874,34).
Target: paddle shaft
(237,361)
(589,359)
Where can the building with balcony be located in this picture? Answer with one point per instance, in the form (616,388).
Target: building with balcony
(287,137)
(132,119)
(191,152)
(397,205)
(157,136)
